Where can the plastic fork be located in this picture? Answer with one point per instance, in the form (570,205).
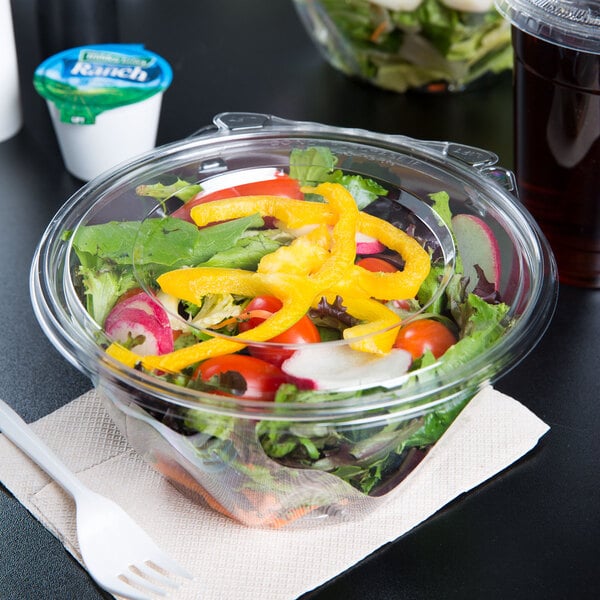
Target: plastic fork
(118,554)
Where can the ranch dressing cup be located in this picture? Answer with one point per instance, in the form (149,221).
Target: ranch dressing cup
(104,101)
(557,126)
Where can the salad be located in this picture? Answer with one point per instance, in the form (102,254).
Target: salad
(308,285)
(435,45)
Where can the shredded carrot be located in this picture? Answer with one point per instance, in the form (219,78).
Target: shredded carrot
(225,323)
(177,474)
(290,516)
(437,87)
(245,316)
(378,31)
(262,501)
(270,513)
(254,314)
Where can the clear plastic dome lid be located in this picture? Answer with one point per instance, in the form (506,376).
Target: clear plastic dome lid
(573,24)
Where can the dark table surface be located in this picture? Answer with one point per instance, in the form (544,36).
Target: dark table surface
(531,532)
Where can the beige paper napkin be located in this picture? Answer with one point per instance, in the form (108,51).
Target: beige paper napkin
(229,560)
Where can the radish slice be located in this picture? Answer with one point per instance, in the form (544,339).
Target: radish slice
(477,245)
(341,368)
(399,4)
(145,302)
(475,6)
(365,244)
(140,315)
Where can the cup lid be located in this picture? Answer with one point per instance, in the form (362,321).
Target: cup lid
(86,81)
(573,24)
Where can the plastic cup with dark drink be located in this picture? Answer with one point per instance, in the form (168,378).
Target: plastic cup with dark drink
(557,126)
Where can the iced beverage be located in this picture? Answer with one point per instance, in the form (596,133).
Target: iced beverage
(557,127)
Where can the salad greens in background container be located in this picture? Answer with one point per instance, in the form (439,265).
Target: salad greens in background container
(399,45)
(284,317)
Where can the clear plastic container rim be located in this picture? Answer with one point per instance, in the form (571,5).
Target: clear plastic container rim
(81,350)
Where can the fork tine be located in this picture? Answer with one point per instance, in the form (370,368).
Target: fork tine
(166,563)
(136,579)
(123,588)
(149,571)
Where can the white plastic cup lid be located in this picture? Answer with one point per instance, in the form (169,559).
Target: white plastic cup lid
(573,24)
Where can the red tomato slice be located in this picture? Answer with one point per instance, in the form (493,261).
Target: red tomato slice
(376,265)
(259,309)
(281,185)
(302,332)
(269,303)
(262,379)
(425,334)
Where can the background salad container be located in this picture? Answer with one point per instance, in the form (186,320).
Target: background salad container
(426,45)
(333,456)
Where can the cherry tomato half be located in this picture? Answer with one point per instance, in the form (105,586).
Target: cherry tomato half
(281,185)
(302,332)
(266,304)
(425,334)
(260,378)
(376,265)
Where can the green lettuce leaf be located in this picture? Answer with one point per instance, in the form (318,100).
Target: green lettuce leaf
(316,165)
(168,242)
(184,190)
(312,166)
(245,253)
(107,253)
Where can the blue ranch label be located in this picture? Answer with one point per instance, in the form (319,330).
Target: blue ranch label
(84,82)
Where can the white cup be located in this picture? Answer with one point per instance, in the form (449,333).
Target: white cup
(11,117)
(117,135)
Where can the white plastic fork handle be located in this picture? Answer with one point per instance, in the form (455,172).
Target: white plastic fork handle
(16,430)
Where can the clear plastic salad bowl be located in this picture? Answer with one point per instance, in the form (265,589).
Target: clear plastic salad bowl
(139,293)
(399,45)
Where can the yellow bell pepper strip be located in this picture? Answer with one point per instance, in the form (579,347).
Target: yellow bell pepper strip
(378,333)
(295,213)
(123,355)
(187,285)
(192,284)
(304,256)
(399,285)
(376,336)
(343,235)
(340,210)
